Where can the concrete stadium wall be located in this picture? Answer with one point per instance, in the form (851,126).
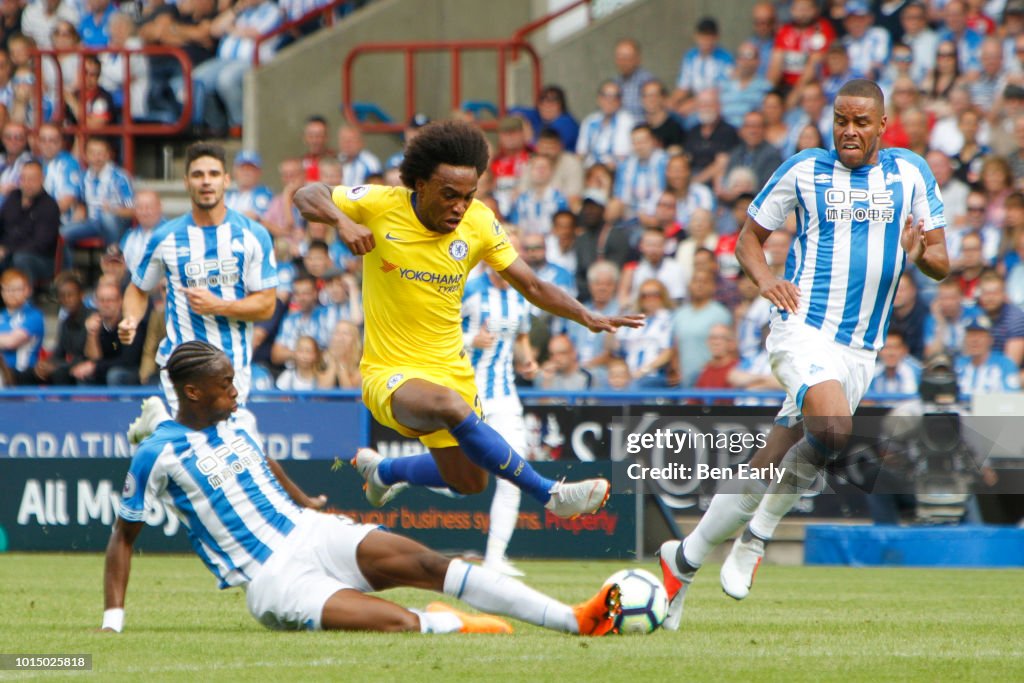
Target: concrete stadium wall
(306,77)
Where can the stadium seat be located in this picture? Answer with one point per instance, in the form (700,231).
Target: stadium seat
(364,111)
(480,109)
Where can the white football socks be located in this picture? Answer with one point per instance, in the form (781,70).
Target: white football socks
(438,622)
(799,474)
(504,515)
(730,509)
(494,593)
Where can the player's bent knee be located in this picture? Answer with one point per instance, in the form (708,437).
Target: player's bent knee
(467,483)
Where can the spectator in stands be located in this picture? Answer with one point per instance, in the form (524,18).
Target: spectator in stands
(905,97)
(94,26)
(41,17)
(552,112)
(1008,108)
(944,326)
(837,71)
(357,162)
(535,255)
(813,111)
(967,41)
(602,283)
(1015,272)
(282,219)
(91,103)
(664,220)
(63,179)
(915,125)
(314,139)
(710,260)
(753,152)
(508,165)
(896,372)
(665,126)
(691,324)
(534,209)
(763,20)
(776,132)
(149,213)
(987,89)
(640,179)
(971,266)
(1010,247)
(16,154)
(653,265)
(604,134)
(1007,319)
(67,363)
(23,109)
(954,191)
(703,67)
(562,371)
(702,235)
(980,369)
(648,350)
(901,63)
(944,77)
(976,223)
(21,325)
(752,315)
(29,226)
(710,140)
(908,314)
(248,195)
(222,77)
(108,196)
(867,45)
(116,364)
(923,41)
(724,358)
(561,244)
(65,38)
(123,36)
(344,351)
(617,378)
(303,320)
(341,300)
(308,371)
(799,45)
(567,170)
(632,76)
(996,182)
(745,90)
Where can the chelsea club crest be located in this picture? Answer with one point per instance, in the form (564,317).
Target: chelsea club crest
(458,249)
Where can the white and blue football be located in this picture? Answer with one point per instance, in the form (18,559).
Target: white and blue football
(644,601)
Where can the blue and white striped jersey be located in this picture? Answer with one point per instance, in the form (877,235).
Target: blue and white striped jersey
(297,324)
(699,72)
(256,200)
(846,256)
(112,185)
(507,315)
(904,380)
(639,182)
(698,196)
(219,484)
(232,260)
(133,246)
(355,171)
(869,52)
(642,345)
(605,141)
(998,373)
(11,173)
(63,179)
(264,17)
(533,212)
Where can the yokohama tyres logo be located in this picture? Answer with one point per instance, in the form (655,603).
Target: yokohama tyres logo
(387,266)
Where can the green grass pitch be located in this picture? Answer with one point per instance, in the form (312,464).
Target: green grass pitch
(800,623)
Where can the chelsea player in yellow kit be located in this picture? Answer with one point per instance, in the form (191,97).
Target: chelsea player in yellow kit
(419,244)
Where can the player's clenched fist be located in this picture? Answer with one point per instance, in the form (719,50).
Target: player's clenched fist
(783,293)
(357,238)
(126,330)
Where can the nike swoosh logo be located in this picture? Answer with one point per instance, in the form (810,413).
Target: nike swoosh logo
(391,237)
(507,462)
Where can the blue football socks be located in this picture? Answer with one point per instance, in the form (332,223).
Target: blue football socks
(418,470)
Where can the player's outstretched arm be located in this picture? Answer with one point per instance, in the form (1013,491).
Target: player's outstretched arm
(133,308)
(750,253)
(554,300)
(115,572)
(927,250)
(315,204)
(293,490)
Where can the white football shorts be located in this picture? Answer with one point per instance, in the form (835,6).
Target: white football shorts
(317,560)
(802,356)
(505,416)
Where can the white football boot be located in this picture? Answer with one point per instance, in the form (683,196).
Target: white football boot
(738,571)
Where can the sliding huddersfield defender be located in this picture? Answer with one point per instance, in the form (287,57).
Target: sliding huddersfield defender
(419,243)
(830,317)
(301,569)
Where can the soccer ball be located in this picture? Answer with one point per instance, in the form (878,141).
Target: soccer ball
(644,601)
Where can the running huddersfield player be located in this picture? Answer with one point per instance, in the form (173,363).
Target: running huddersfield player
(301,569)
(420,242)
(855,208)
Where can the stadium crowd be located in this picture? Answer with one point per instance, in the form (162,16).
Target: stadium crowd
(634,207)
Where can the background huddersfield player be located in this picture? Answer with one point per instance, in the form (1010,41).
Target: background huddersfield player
(419,243)
(221,275)
(831,314)
(300,568)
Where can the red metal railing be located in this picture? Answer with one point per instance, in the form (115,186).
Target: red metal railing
(456,48)
(526,29)
(127,129)
(327,12)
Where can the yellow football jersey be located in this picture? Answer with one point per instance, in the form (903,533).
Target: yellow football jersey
(414,277)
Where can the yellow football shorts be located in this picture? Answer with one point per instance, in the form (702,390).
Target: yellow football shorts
(379,385)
